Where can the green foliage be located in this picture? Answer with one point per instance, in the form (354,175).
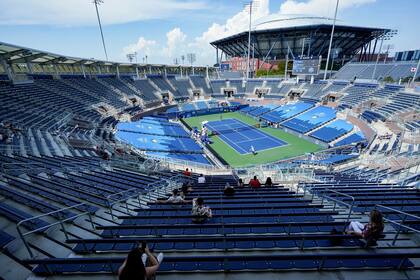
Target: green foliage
(406,79)
(275,72)
(388,79)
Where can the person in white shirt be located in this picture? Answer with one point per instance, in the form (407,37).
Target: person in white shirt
(201,179)
(175,198)
(199,212)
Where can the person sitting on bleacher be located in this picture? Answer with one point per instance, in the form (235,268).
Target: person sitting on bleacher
(187,173)
(134,266)
(254,183)
(229,190)
(370,232)
(200,212)
(268,182)
(201,180)
(186,188)
(175,198)
(240,183)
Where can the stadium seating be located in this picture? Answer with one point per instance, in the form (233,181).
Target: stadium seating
(285,112)
(183,87)
(163,84)
(200,82)
(149,93)
(395,70)
(357,94)
(351,139)
(332,131)
(217,86)
(311,119)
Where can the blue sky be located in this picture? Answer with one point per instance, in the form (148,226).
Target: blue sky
(165,29)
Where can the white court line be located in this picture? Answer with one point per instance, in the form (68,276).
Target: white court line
(228,142)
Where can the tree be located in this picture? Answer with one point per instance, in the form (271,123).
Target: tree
(406,80)
(388,79)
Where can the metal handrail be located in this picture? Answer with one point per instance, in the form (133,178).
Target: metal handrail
(138,192)
(61,222)
(336,201)
(400,224)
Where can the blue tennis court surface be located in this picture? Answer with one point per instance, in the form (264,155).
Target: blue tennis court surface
(242,136)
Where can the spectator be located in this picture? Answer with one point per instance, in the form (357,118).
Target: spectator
(268,182)
(200,213)
(175,198)
(229,190)
(254,183)
(240,183)
(202,179)
(372,231)
(134,265)
(187,173)
(186,188)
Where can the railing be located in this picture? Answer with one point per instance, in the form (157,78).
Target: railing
(335,200)
(135,193)
(399,224)
(43,228)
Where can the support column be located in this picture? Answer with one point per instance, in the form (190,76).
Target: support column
(30,68)
(55,69)
(118,71)
(83,70)
(137,72)
(7,68)
(98,68)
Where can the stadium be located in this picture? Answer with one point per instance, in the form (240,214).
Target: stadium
(102,160)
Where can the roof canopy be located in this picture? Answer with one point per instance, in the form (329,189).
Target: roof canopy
(299,35)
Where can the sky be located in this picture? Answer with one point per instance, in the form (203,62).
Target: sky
(164,30)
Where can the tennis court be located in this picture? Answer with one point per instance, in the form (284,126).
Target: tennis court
(241,136)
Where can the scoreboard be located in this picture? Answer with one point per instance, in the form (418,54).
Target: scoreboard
(306,66)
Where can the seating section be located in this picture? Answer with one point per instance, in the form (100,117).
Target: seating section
(200,82)
(217,86)
(351,139)
(149,93)
(285,112)
(395,70)
(251,222)
(183,87)
(413,125)
(332,131)
(252,84)
(314,90)
(400,102)
(150,125)
(162,143)
(163,84)
(238,85)
(357,94)
(311,119)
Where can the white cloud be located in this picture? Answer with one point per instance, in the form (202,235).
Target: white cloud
(82,12)
(318,7)
(178,43)
(175,42)
(142,46)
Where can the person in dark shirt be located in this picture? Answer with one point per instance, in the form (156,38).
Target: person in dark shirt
(268,182)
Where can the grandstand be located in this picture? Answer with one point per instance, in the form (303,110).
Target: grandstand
(88,158)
